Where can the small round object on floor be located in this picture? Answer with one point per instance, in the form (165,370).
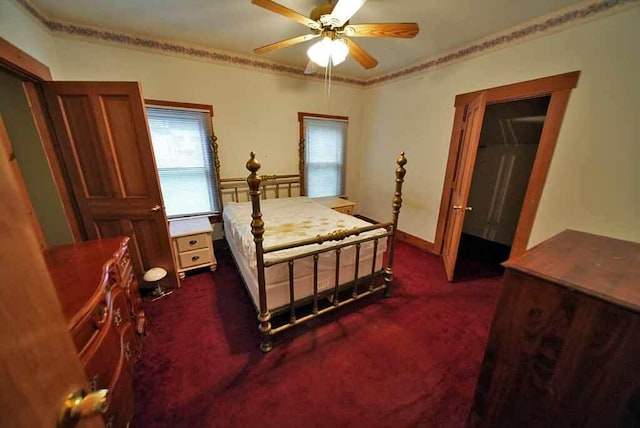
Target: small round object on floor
(156,274)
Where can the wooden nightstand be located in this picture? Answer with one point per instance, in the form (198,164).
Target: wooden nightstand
(192,244)
(341,205)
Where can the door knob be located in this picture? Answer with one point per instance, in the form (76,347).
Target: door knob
(80,405)
(460,207)
(155,208)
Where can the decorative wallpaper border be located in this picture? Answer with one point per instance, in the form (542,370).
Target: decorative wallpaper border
(528,30)
(171,48)
(519,34)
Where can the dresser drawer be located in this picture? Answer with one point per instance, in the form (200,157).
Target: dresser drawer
(193,242)
(92,324)
(194,258)
(101,360)
(120,411)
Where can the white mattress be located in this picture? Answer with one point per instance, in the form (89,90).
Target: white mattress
(288,220)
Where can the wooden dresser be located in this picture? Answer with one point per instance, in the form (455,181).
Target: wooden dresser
(99,295)
(564,347)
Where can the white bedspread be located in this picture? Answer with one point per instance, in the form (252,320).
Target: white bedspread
(292,219)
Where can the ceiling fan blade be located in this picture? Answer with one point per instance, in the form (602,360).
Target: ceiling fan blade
(360,55)
(404,30)
(284,43)
(285,11)
(344,10)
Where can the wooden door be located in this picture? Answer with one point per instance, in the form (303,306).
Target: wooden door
(466,159)
(106,147)
(39,362)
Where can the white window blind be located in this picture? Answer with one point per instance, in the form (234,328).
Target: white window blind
(325,142)
(182,148)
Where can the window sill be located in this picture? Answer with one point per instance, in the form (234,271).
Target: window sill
(213,217)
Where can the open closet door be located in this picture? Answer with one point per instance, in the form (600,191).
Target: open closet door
(466,159)
(106,147)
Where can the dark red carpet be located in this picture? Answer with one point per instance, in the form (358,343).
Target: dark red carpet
(411,360)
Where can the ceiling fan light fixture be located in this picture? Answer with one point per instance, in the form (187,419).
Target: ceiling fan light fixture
(336,50)
(320,52)
(339,51)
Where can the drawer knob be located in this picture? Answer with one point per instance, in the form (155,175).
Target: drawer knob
(194,258)
(193,242)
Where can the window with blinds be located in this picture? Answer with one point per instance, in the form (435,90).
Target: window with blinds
(325,144)
(181,140)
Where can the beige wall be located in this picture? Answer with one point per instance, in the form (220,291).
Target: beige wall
(253,110)
(32,161)
(594,177)
(22,30)
(592,184)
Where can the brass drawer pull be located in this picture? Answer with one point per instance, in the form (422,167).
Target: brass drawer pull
(117,317)
(94,383)
(100,314)
(193,242)
(194,258)
(127,351)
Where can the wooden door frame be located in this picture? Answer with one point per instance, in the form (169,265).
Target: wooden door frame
(21,64)
(559,88)
(32,72)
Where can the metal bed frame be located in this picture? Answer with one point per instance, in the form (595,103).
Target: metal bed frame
(359,286)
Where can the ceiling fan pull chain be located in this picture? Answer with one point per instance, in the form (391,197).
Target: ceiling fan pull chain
(326,75)
(327,78)
(330,66)
(324,89)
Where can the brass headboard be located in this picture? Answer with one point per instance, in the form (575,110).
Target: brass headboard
(237,189)
(272,186)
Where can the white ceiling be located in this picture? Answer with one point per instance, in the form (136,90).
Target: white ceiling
(239,26)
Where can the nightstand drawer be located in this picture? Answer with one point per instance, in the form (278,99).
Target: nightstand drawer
(194,258)
(193,242)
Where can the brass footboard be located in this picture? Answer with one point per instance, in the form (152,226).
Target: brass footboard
(257,229)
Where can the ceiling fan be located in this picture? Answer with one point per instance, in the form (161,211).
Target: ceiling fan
(330,22)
